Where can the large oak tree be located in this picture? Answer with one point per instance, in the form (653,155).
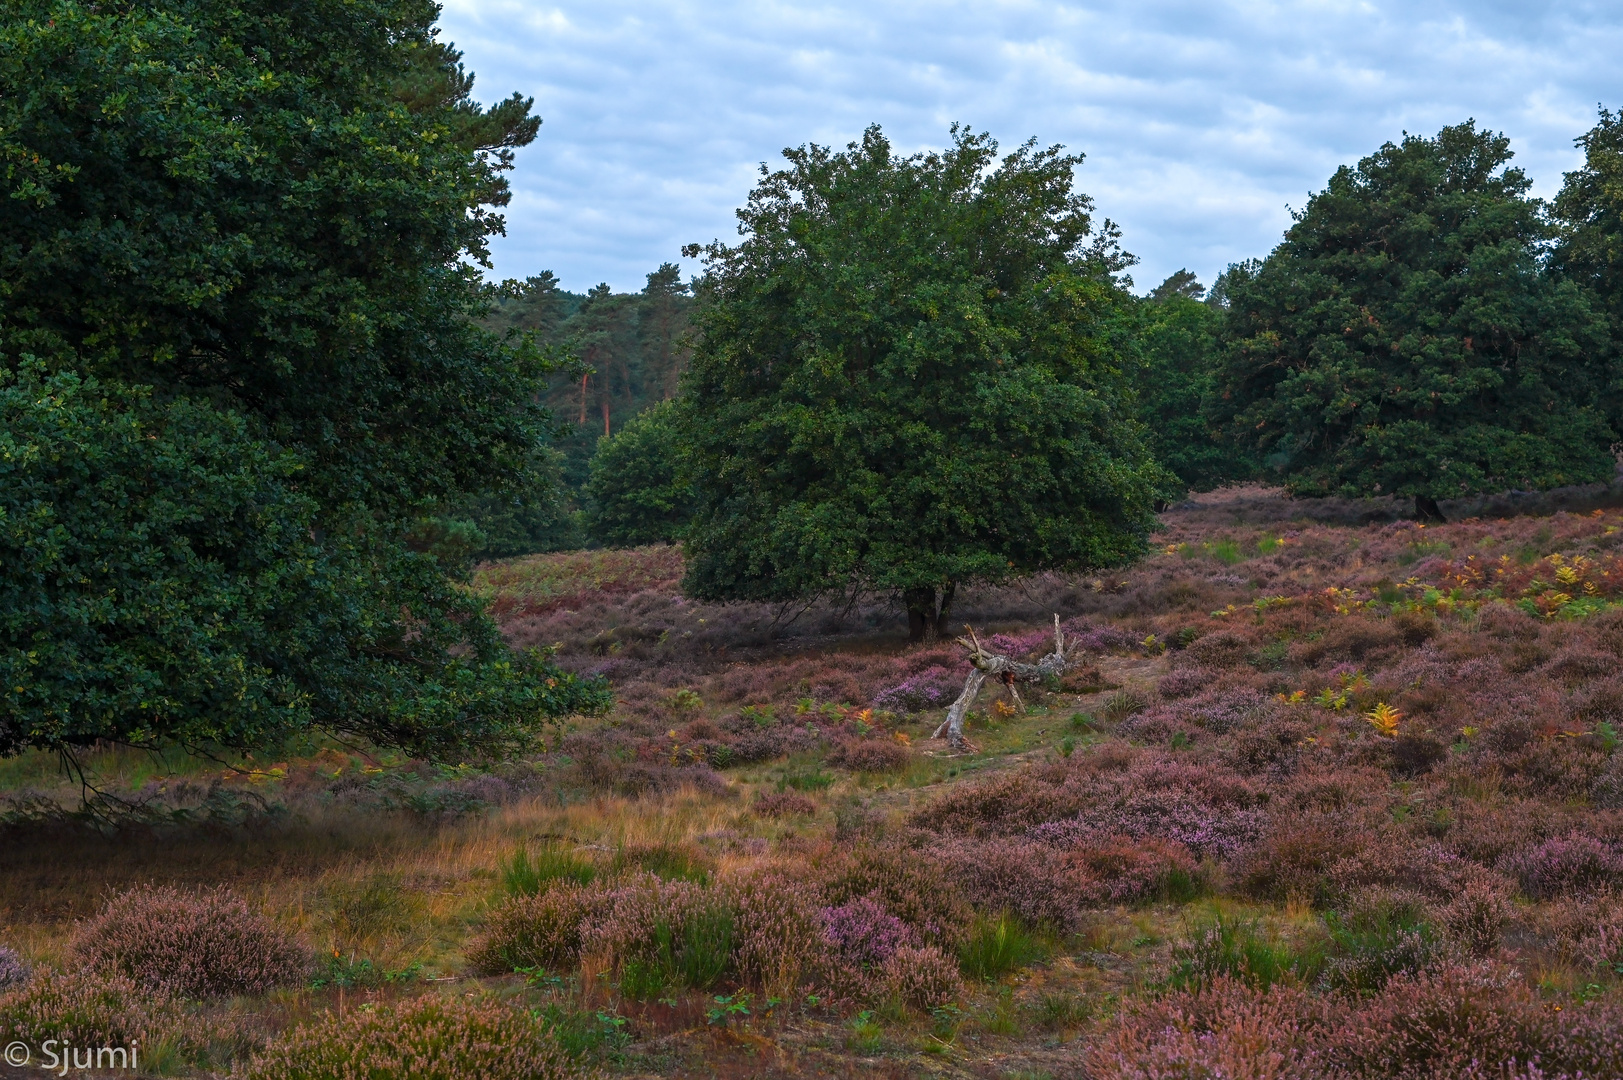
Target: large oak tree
(238,359)
(907,378)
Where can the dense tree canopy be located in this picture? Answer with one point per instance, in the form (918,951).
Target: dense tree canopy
(267,215)
(1405,338)
(1590,252)
(1176,343)
(906,380)
(638,493)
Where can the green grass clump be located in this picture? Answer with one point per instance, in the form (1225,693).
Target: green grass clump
(998,944)
(1241,949)
(696,956)
(668,862)
(527,875)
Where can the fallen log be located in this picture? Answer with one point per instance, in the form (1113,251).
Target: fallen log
(983,664)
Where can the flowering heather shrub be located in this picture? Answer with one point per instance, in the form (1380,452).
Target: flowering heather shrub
(203,944)
(1474,920)
(1223,649)
(1443,1022)
(625,921)
(1293,860)
(1607,790)
(431,1038)
(777,929)
(1574,863)
(1122,870)
(1027,879)
(1084,636)
(1018,646)
(869,755)
(923,977)
(539,930)
(933,688)
(94,1009)
(909,885)
(860,933)
(1184,681)
(1225,1029)
(1212,820)
(784,804)
(14,970)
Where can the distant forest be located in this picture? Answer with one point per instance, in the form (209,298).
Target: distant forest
(632,349)
(632,344)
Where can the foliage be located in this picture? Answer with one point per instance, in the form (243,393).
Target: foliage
(14,970)
(1176,340)
(1589,250)
(162,580)
(525,874)
(272,218)
(636,494)
(538,930)
(906,378)
(633,346)
(1225,947)
(1406,340)
(103,1010)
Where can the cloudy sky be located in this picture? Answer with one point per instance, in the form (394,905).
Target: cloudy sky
(1201,122)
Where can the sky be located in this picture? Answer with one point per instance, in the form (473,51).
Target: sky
(1202,123)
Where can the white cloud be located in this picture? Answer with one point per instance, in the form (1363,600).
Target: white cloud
(1201,121)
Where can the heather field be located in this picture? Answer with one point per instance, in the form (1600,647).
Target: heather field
(1323,793)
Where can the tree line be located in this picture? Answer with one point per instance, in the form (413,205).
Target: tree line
(915,372)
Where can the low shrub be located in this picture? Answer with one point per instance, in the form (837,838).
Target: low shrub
(909,885)
(1379,938)
(431,1038)
(1473,1020)
(925,978)
(104,1010)
(661,934)
(1577,863)
(1224,1028)
(998,944)
(1124,870)
(779,804)
(933,688)
(870,755)
(1474,920)
(777,929)
(14,970)
(860,933)
(190,944)
(537,930)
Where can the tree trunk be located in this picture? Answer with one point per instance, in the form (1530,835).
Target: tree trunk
(1426,509)
(921,616)
(947,593)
